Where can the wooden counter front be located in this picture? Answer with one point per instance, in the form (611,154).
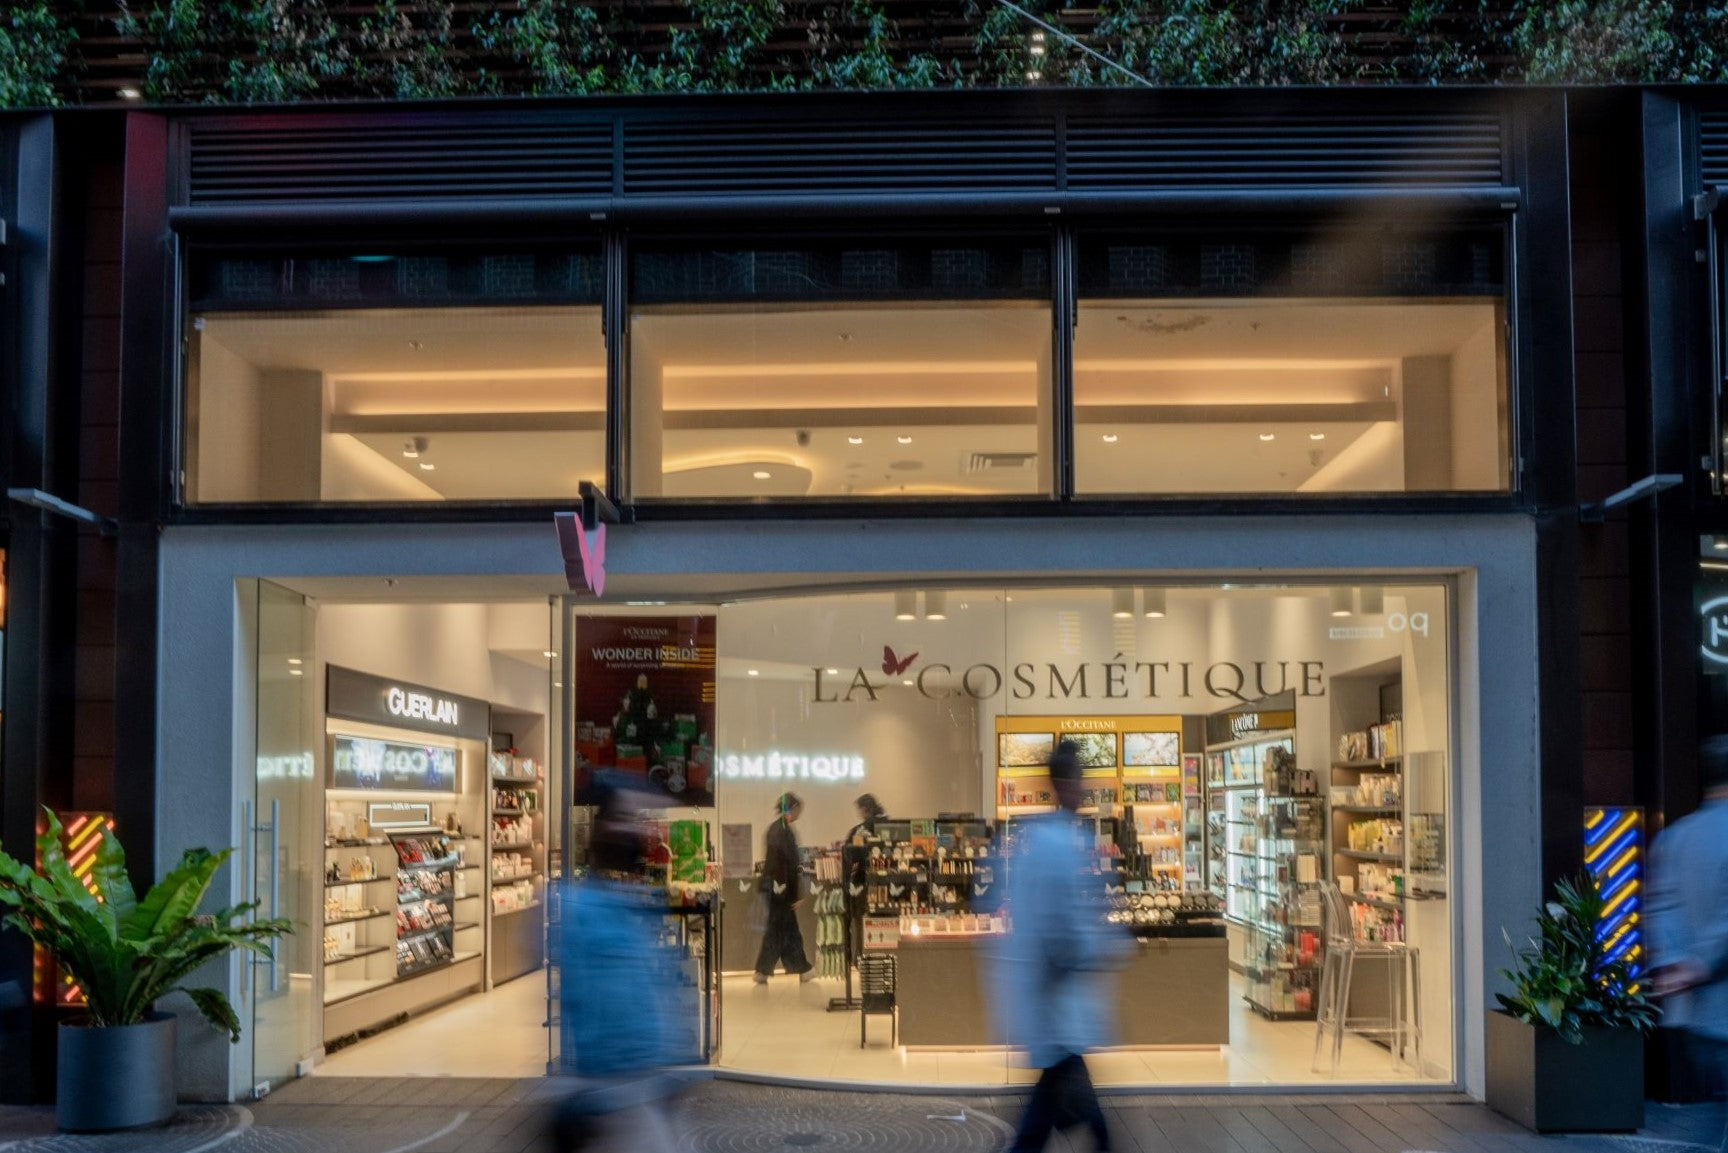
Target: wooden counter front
(1171,992)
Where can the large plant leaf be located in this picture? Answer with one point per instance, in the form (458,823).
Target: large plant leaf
(175,897)
(216,1010)
(112,883)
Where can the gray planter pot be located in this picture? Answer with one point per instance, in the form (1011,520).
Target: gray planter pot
(115,1078)
(1544,1084)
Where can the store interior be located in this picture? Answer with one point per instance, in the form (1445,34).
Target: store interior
(1251,753)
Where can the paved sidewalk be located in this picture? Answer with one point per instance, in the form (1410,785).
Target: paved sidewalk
(453,1115)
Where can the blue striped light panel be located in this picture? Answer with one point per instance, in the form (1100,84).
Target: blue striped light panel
(1614,857)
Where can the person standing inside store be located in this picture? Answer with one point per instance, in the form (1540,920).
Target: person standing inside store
(615,982)
(782,881)
(1055,993)
(870,811)
(1689,921)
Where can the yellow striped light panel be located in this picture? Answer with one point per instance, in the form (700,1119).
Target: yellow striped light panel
(1614,858)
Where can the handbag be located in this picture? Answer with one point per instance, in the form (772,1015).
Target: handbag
(757,915)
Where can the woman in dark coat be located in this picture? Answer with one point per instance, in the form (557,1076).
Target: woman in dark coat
(782,941)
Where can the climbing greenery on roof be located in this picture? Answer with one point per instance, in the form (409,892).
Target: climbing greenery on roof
(239,51)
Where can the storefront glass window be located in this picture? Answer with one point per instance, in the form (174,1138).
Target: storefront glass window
(863,369)
(1358,360)
(392,379)
(1267,784)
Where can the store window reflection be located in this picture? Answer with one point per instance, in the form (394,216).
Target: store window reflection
(395,379)
(1354,362)
(841,370)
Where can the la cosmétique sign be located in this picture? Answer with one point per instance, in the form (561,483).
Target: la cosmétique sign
(357,696)
(1118,679)
(775,765)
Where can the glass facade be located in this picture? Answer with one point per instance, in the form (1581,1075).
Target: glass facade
(1292,363)
(871,369)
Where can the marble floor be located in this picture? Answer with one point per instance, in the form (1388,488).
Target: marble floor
(784,1030)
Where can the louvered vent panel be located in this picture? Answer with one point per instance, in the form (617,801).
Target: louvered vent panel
(1713,148)
(407,159)
(665,159)
(1266,153)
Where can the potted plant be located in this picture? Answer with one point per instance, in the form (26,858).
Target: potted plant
(116,1062)
(1566,1049)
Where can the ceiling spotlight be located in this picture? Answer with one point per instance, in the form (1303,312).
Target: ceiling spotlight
(415,346)
(1316,436)
(130,94)
(296,672)
(854,440)
(906,605)
(1034,74)
(548,654)
(907,682)
(904,439)
(1121,603)
(1371,600)
(833,672)
(427,466)
(1037,49)
(1342,602)
(294,660)
(753,672)
(1268,436)
(1111,438)
(1154,600)
(1721,545)
(936,605)
(761,474)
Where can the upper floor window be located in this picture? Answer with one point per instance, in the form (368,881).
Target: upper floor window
(879,368)
(1356,359)
(395,377)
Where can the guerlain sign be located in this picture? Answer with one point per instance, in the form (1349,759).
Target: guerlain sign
(358,696)
(1118,679)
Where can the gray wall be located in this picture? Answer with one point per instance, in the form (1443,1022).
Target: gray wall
(201,754)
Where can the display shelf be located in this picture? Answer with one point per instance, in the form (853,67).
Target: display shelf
(1386,901)
(358,881)
(464,926)
(511,846)
(1390,763)
(419,934)
(504,810)
(1368,808)
(511,779)
(518,909)
(352,843)
(355,919)
(417,897)
(335,992)
(1025,808)
(428,967)
(1365,855)
(359,954)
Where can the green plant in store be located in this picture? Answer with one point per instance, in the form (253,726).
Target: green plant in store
(1565,979)
(125,953)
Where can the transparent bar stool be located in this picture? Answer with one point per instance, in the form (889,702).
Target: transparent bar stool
(1402,1027)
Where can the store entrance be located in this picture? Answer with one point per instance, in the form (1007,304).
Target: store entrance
(1267,784)
(403,811)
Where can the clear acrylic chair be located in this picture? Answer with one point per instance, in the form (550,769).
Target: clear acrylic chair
(1402,1026)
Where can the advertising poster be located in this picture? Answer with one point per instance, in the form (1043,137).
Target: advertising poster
(645,702)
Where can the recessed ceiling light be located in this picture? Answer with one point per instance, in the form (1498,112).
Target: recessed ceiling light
(833,672)
(1111,438)
(1268,435)
(415,345)
(761,474)
(904,439)
(1316,436)
(294,660)
(548,654)
(427,466)
(907,682)
(296,672)
(854,440)
(131,94)
(753,672)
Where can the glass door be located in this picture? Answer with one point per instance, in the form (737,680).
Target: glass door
(284,826)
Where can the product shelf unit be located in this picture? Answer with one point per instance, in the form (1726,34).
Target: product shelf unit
(515,871)
(1369,797)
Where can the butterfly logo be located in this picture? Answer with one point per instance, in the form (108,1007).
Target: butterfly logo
(584,553)
(893,666)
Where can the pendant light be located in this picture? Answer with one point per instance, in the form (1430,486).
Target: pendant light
(1342,602)
(936,605)
(1154,600)
(906,605)
(1121,603)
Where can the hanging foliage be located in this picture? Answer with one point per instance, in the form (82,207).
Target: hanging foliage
(35,51)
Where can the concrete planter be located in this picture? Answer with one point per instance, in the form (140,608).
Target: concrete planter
(1547,1085)
(115,1078)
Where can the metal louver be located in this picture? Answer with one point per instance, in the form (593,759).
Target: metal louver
(1713,148)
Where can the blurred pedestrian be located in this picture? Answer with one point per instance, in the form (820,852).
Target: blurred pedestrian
(1688,918)
(782,884)
(615,988)
(1056,992)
